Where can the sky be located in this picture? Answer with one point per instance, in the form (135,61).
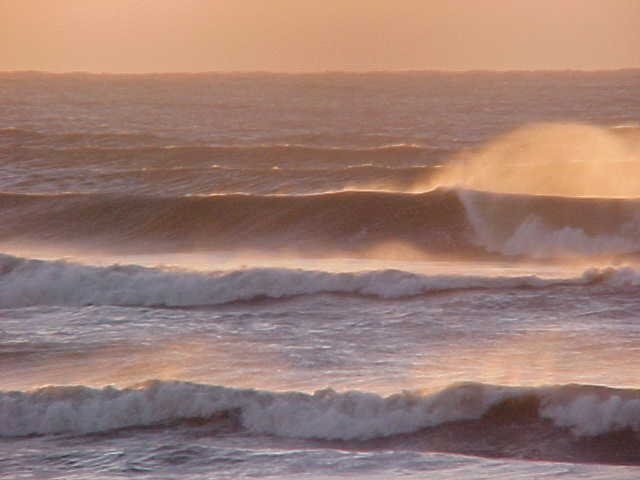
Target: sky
(326,35)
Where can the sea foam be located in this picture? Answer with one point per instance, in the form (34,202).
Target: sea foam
(28,282)
(324,414)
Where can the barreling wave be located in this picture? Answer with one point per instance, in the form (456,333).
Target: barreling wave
(29,282)
(566,422)
(445,222)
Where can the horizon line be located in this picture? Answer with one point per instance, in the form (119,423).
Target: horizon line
(321,72)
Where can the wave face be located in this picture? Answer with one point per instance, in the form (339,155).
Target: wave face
(569,422)
(314,223)
(443,221)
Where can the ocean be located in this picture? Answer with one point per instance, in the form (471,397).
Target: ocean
(335,275)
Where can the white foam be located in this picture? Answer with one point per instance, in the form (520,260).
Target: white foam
(536,240)
(591,415)
(36,282)
(532,237)
(325,414)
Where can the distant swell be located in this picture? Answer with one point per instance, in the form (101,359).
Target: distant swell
(570,422)
(211,179)
(444,222)
(142,150)
(33,165)
(23,137)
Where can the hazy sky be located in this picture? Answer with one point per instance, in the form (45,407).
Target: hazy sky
(310,35)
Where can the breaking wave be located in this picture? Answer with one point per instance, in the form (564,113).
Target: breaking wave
(568,422)
(26,282)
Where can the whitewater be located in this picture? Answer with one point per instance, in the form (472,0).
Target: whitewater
(382,275)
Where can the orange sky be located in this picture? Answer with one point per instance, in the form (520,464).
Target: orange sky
(310,35)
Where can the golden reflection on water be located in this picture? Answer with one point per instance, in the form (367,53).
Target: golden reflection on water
(222,361)
(533,358)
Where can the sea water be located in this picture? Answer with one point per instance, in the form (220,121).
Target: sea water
(417,275)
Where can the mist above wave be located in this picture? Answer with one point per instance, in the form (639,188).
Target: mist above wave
(587,175)
(562,159)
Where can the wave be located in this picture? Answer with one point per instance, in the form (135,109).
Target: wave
(444,222)
(565,422)
(545,227)
(212,179)
(159,169)
(29,282)
(149,151)
(14,137)
(309,223)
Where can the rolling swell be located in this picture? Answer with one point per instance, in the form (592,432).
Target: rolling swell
(32,138)
(213,179)
(346,221)
(29,167)
(169,155)
(565,423)
(442,221)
